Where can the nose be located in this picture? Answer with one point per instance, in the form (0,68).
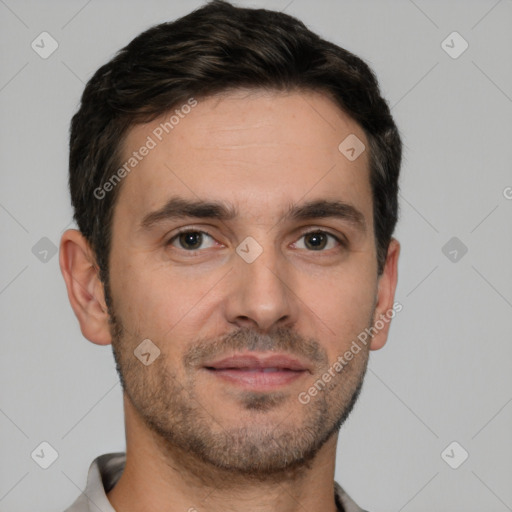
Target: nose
(260,294)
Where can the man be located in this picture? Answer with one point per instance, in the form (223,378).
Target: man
(234,179)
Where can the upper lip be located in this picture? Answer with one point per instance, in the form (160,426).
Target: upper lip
(282,361)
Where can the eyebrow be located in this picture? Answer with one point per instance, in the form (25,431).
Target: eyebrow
(177,208)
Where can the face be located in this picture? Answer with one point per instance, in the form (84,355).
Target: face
(247,300)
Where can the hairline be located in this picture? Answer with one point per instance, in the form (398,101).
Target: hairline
(135,120)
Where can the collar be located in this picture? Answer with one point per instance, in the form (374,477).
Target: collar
(105,471)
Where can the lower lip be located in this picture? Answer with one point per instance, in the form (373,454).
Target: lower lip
(258,379)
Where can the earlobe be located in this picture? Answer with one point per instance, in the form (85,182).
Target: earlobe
(85,289)
(384,310)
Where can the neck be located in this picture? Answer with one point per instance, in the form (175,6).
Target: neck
(161,477)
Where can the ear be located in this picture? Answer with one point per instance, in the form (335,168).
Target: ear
(85,290)
(385,296)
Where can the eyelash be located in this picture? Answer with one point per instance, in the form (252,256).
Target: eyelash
(340,240)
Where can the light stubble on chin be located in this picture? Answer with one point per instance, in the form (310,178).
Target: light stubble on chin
(191,434)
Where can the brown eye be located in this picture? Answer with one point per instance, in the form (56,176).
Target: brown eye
(319,240)
(316,240)
(190,240)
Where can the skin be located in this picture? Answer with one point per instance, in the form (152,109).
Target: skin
(259,151)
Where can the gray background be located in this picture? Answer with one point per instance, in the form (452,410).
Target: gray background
(445,373)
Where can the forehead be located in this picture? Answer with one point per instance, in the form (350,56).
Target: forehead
(258,150)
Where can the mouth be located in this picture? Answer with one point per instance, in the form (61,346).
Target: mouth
(257,372)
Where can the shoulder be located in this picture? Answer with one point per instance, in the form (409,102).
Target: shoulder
(348,504)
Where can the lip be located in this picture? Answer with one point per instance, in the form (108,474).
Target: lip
(258,372)
(253,361)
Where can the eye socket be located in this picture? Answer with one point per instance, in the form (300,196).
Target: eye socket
(321,240)
(191,240)
(193,236)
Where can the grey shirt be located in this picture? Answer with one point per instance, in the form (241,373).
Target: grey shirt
(106,470)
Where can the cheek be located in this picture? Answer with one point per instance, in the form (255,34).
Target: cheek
(156,301)
(344,305)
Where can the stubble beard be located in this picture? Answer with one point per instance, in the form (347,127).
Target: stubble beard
(188,430)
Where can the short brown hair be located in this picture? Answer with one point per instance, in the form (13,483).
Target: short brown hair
(213,49)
